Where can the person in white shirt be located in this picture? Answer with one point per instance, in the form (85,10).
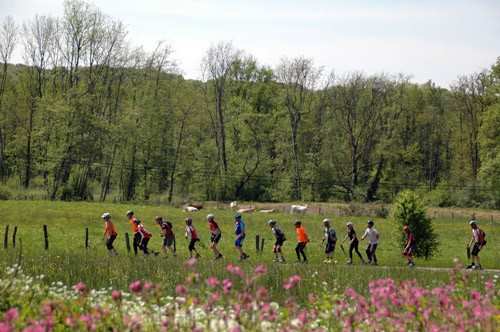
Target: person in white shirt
(373,237)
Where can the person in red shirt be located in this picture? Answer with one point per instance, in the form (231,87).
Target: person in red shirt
(410,245)
(215,235)
(167,232)
(110,233)
(133,225)
(144,237)
(302,240)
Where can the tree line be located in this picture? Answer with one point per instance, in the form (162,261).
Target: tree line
(87,116)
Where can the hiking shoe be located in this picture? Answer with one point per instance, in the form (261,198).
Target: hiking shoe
(411,264)
(471,266)
(477,267)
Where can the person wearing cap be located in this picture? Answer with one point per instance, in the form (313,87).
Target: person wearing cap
(192,236)
(135,231)
(215,235)
(302,240)
(372,234)
(110,233)
(353,242)
(410,245)
(279,240)
(330,237)
(477,242)
(239,230)
(167,232)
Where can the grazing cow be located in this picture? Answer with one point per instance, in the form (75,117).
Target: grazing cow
(298,209)
(233,204)
(247,210)
(199,206)
(191,209)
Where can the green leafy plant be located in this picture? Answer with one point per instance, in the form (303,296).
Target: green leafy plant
(410,210)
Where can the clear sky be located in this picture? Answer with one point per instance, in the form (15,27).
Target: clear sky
(436,40)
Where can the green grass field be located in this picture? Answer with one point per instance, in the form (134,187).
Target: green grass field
(68,261)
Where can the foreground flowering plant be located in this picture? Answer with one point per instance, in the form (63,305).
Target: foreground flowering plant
(239,303)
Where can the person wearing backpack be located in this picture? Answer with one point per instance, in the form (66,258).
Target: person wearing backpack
(330,237)
(144,237)
(477,242)
(280,239)
(167,232)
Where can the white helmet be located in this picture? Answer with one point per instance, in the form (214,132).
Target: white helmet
(271,222)
(106,215)
(326,220)
(472,222)
(210,216)
(349,223)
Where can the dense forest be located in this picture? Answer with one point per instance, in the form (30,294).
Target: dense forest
(87,116)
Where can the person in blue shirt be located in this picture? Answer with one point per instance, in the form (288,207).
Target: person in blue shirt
(240,235)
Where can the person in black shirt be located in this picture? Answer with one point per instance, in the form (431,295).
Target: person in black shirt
(353,243)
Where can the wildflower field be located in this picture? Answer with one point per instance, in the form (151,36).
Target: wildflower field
(69,287)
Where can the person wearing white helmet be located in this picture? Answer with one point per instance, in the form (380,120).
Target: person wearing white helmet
(330,237)
(110,233)
(353,242)
(215,235)
(239,226)
(278,243)
(477,242)
(192,236)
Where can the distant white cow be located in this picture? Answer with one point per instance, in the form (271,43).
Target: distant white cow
(233,204)
(190,209)
(298,209)
(267,211)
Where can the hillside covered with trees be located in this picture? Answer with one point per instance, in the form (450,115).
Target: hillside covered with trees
(88,116)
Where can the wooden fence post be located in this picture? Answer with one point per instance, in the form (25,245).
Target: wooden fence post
(86,237)
(262,245)
(127,242)
(257,242)
(6,237)
(46,237)
(14,237)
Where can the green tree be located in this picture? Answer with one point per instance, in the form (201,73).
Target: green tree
(409,210)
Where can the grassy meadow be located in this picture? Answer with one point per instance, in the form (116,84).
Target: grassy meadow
(68,261)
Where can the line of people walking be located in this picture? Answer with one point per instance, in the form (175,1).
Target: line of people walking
(141,238)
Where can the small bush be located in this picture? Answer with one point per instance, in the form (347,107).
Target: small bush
(5,194)
(410,210)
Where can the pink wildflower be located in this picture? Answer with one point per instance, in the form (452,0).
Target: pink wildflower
(227,285)
(181,290)
(260,269)
(116,295)
(292,282)
(212,282)
(11,315)
(135,287)
(236,270)
(80,288)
